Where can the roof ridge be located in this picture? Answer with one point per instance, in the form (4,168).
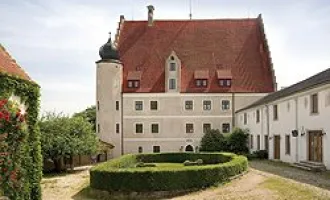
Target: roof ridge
(195,20)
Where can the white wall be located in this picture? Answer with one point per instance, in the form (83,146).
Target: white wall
(293,113)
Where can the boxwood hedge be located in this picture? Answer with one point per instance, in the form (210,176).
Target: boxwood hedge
(120,175)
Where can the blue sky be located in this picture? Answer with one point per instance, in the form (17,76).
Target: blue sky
(57,41)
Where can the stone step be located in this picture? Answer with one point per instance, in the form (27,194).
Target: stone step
(310,166)
(312,163)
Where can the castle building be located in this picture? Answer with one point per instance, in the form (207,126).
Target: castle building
(163,83)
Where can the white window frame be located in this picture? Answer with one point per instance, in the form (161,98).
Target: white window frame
(184,102)
(210,104)
(156,146)
(211,125)
(175,66)
(152,123)
(185,127)
(150,105)
(222,127)
(135,127)
(169,84)
(222,108)
(134,105)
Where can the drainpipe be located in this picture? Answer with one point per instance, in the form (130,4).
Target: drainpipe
(122,123)
(233,109)
(297,126)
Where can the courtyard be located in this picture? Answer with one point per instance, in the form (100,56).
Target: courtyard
(264,180)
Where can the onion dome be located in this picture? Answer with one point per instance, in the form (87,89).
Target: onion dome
(108,51)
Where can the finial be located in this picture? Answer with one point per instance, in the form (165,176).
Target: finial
(109,40)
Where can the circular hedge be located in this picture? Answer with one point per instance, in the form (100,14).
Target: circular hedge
(120,174)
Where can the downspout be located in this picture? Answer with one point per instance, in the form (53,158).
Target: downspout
(122,123)
(296,124)
(233,109)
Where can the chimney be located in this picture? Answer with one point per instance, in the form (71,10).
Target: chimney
(150,15)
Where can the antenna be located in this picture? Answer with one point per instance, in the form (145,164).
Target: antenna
(190,10)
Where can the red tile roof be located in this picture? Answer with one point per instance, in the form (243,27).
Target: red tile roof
(9,66)
(237,45)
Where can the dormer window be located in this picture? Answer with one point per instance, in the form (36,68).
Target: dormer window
(224,78)
(201,83)
(201,78)
(225,82)
(133,79)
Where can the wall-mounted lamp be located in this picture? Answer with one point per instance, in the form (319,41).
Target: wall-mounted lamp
(294,133)
(270,138)
(323,132)
(303,131)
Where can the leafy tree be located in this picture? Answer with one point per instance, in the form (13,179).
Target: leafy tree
(89,114)
(62,136)
(237,141)
(213,140)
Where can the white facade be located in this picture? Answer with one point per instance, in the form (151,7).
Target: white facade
(294,113)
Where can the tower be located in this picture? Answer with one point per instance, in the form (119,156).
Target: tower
(109,97)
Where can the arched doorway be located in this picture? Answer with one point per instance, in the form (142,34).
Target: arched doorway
(189,148)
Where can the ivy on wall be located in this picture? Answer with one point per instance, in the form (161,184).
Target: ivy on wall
(29,165)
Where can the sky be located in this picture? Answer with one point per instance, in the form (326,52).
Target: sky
(57,41)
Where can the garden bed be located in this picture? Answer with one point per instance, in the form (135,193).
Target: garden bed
(121,174)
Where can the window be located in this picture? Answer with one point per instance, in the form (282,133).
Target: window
(98,105)
(206,127)
(225,128)
(189,105)
(266,142)
(314,104)
(117,128)
(98,128)
(327,100)
(140,149)
(172,84)
(156,149)
(153,105)
(275,112)
(287,145)
(245,118)
(201,82)
(133,84)
(172,66)
(117,105)
(207,105)
(258,116)
(251,141)
(225,105)
(154,128)
(138,128)
(258,142)
(138,105)
(189,128)
(225,82)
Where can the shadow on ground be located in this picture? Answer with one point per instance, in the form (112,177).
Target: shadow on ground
(88,193)
(317,179)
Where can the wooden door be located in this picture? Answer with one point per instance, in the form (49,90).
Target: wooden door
(277,147)
(315,146)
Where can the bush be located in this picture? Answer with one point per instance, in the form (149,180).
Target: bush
(261,154)
(213,141)
(107,176)
(142,164)
(237,141)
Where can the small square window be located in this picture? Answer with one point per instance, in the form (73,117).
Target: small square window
(153,105)
(138,105)
(207,105)
(206,127)
(156,149)
(189,105)
(225,105)
(201,82)
(226,128)
(172,84)
(154,128)
(117,128)
(225,82)
(189,128)
(140,149)
(172,66)
(138,128)
(133,84)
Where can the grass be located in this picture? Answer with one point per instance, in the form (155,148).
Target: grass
(287,190)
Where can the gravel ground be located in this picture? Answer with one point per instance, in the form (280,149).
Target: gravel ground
(248,187)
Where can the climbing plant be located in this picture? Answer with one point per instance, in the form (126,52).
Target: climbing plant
(21,169)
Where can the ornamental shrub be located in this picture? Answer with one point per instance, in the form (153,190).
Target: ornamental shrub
(108,176)
(20,154)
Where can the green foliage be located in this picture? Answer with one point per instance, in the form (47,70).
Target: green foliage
(108,176)
(237,141)
(142,164)
(63,136)
(259,154)
(89,114)
(30,160)
(213,141)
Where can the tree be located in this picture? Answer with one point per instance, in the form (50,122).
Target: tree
(237,141)
(62,137)
(89,114)
(213,140)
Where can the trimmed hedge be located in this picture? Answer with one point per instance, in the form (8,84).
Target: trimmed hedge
(120,175)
